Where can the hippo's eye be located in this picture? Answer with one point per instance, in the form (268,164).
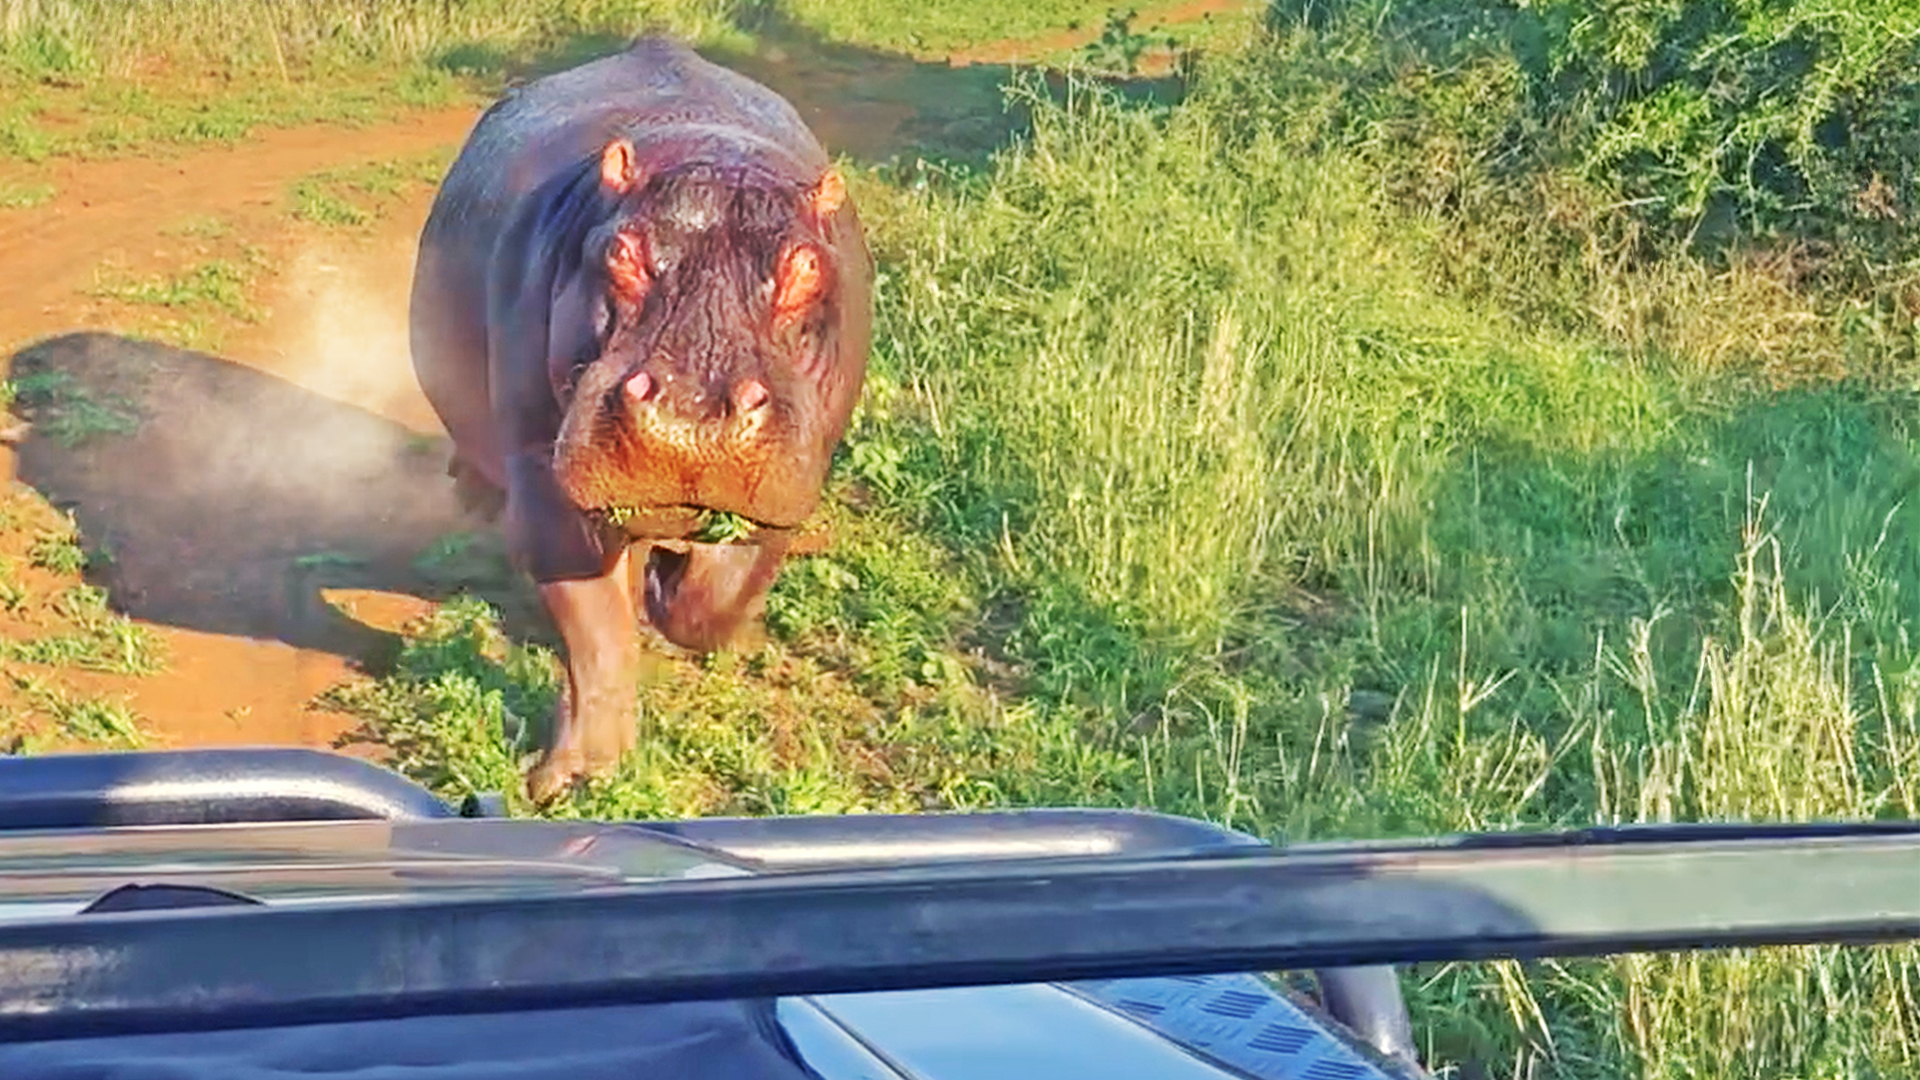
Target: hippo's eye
(627,271)
(799,282)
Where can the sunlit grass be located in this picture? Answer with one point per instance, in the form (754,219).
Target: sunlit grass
(102,77)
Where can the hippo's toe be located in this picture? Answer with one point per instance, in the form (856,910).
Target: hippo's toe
(555,774)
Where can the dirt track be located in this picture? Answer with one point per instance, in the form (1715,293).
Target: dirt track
(221,686)
(265,518)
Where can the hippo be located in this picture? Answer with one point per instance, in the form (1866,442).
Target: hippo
(641,305)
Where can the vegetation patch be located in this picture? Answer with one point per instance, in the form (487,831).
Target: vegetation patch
(58,551)
(466,560)
(59,636)
(941,27)
(217,285)
(72,720)
(1696,182)
(351,198)
(99,638)
(70,412)
(100,77)
(19,196)
(192,309)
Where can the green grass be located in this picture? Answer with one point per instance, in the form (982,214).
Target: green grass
(1343,452)
(68,411)
(92,721)
(465,560)
(99,77)
(59,552)
(217,285)
(360,196)
(192,309)
(13,593)
(16,196)
(49,39)
(102,115)
(94,78)
(100,639)
(1676,178)
(942,26)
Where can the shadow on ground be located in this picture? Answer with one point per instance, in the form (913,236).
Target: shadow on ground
(219,498)
(877,106)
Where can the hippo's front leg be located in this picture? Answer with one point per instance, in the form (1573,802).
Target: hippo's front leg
(584,579)
(593,726)
(704,597)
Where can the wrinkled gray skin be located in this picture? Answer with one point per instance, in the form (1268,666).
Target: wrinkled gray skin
(567,392)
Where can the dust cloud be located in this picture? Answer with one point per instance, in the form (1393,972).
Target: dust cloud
(343,330)
(338,332)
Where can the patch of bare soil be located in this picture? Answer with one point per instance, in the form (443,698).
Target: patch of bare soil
(132,211)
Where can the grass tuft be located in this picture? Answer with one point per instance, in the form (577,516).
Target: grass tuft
(350,198)
(217,285)
(94,722)
(68,411)
(16,196)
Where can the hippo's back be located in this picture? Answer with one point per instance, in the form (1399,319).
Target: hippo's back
(657,93)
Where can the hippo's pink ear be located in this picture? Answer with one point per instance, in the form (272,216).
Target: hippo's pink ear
(627,268)
(829,194)
(619,169)
(798,283)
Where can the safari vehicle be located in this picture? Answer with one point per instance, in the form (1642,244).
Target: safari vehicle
(259,913)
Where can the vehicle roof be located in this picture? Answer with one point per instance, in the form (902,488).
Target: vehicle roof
(53,872)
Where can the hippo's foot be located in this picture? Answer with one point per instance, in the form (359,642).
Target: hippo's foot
(579,748)
(555,774)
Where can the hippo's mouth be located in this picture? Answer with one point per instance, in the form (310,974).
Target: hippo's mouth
(693,524)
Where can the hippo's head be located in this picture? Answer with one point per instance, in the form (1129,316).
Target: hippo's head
(717,376)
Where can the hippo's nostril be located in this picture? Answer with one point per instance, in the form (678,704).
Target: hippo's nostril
(750,394)
(640,387)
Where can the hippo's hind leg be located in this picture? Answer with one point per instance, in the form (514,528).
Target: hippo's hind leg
(448,339)
(477,495)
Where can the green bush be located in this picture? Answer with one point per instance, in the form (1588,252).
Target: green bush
(1562,147)
(1782,112)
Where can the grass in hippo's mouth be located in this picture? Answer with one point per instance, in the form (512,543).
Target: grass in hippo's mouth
(721,527)
(711,526)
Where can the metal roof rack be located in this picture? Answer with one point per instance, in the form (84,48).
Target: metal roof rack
(934,925)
